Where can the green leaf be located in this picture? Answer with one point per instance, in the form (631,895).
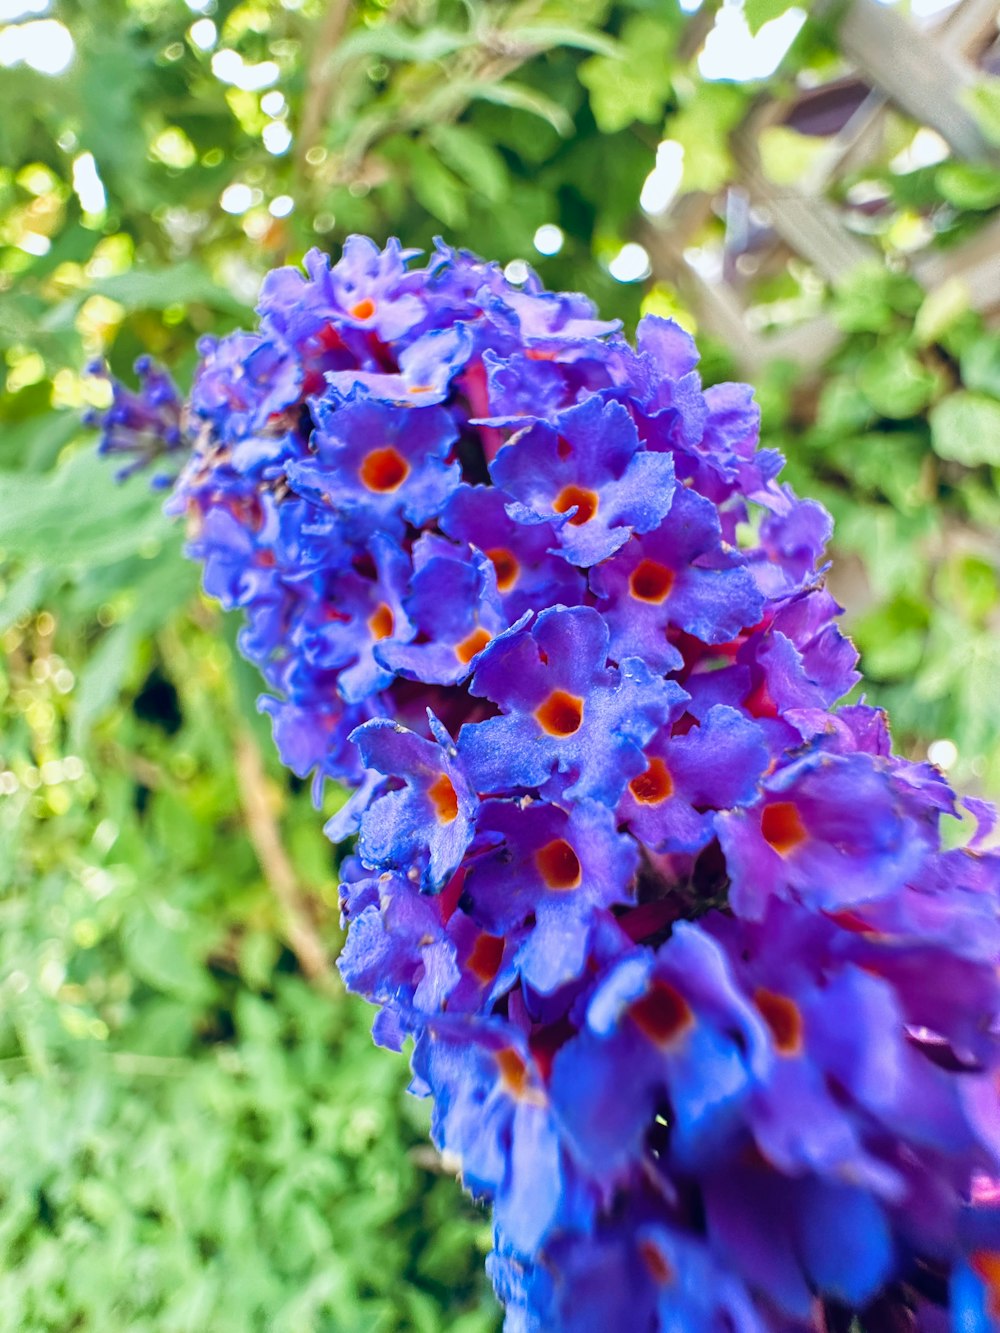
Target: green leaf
(842,408)
(965,427)
(702,127)
(161,957)
(786,155)
(159,587)
(895,382)
(393,42)
(23,595)
(635,83)
(32,445)
(759,12)
(983,100)
(79,514)
(980,364)
(435,187)
(869,297)
(544,36)
(156,289)
(101,678)
(971,185)
(19,315)
(521,98)
(942,309)
(471,157)
(892,638)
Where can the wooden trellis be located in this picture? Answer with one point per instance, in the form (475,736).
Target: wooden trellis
(923,73)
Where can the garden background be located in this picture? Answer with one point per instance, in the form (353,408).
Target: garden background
(195,1130)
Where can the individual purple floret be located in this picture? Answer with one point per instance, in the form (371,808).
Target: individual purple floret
(563,710)
(558,868)
(670,806)
(455,607)
(679,576)
(586,475)
(706,1001)
(829,831)
(423,828)
(140,426)
(378,467)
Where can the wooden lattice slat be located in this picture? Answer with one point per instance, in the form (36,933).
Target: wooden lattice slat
(924,74)
(921,74)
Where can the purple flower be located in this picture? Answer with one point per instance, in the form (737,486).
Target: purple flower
(636,1272)
(456,611)
(555,866)
(674,1028)
(528,576)
(585,473)
(142,426)
(561,705)
(397,953)
(676,577)
(426,369)
(363,614)
(714,766)
(492,1113)
(424,827)
(366,290)
(379,467)
(707,1009)
(830,831)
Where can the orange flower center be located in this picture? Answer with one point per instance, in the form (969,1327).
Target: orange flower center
(560,714)
(986,1265)
(559,865)
(381,622)
(782,826)
(472,644)
(513,1071)
(506,565)
(444,798)
(384,469)
(584,501)
(364,309)
(651,582)
(653,786)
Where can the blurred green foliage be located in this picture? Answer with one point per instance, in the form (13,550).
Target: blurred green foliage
(199,1132)
(194,1135)
(900,439)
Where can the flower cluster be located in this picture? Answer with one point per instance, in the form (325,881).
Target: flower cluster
(706,1007)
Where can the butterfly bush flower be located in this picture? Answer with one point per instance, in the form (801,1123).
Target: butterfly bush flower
(707,1010)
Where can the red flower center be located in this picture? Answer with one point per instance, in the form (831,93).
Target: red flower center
(783,1017)
(662,1014)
